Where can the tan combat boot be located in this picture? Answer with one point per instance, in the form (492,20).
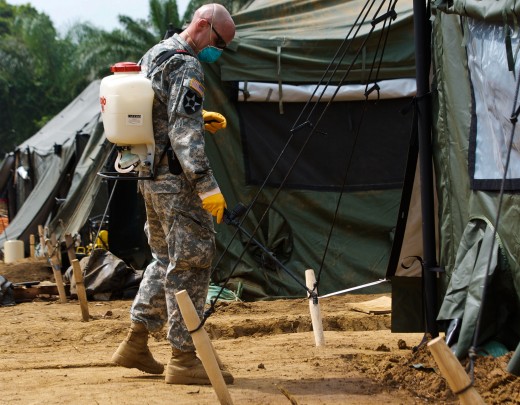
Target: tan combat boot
(133,352)
(186,368)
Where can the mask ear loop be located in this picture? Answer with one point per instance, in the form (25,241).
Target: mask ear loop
(211,23)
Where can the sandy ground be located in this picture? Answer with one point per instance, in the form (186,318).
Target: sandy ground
(49,355)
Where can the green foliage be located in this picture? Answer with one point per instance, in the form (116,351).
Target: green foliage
(162,14)
(32,85)
(6,15)
(97,50)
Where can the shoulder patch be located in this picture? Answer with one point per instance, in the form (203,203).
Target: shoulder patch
(196,86)
(191,102)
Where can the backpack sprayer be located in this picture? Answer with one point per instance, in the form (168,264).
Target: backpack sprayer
(126,99)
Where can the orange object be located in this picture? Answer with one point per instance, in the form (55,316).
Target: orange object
(4,221)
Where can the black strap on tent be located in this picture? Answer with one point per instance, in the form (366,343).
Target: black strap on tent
(406,196)
(309,124)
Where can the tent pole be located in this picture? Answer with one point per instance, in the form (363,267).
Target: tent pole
(422,31)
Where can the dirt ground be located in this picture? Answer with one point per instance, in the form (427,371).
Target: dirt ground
(49,355)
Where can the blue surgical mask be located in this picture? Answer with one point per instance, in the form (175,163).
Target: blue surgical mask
(209,54)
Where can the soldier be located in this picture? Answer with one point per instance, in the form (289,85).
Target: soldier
(182,198)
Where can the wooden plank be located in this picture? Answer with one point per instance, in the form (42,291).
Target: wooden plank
(381,305)
(26,292)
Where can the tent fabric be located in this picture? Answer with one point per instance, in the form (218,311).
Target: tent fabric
(409,263)
(292,41)
(361,242)
(267,92)
(480,254)
(363,151)
(105,277)
(489,11)
(452,126)
(6,170)
(51,151)
(463,297)
(41,200)
(82,195)
(459,205)
(494,97)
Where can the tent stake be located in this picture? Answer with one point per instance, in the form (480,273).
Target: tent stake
(56,269)
(314,307)
(69,244)
(513,366)
(42,240)
(454,373)
(78,277)
(204,347)
(56,246)
(80,289)
(31,246)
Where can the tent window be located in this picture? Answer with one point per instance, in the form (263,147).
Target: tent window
(378,156)
(493,99)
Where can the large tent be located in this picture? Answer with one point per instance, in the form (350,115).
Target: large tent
(262,84)
(474,90)
(52,180)
(38,175)
(475,96)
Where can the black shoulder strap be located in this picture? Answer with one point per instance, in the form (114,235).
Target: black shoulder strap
(164,56)
(159,60)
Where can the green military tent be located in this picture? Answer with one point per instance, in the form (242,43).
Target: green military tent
(283,47)
(52,180)
(475,94)
(345,179)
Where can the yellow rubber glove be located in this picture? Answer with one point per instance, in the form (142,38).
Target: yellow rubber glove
(213,121)
(215,205)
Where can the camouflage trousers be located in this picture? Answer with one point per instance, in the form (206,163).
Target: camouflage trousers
(182,241)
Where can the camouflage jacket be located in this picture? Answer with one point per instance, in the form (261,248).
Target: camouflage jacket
(177,109)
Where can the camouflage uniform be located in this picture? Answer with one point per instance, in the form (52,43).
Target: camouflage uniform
(180,232)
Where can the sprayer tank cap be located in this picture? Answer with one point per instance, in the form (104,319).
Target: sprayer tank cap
(125,67)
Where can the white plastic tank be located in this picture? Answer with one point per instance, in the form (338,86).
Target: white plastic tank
(13,251)
(126,99)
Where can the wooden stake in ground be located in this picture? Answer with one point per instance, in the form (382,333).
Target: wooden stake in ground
(454,373)
(80,289)
(204,347)
(31,246)
(56,245)
(513,366)
(56,269)
(41,234)
(69,244)
(314,307)
(78,277)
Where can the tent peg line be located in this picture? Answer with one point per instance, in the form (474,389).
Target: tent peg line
(383,280)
